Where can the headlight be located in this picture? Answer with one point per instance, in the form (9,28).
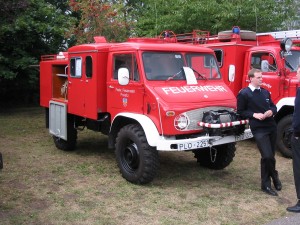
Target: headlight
(181,122)
(286,44)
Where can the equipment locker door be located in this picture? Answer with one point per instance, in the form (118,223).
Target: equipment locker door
(82,87)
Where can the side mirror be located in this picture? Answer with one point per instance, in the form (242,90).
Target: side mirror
(231,73)
(123,76)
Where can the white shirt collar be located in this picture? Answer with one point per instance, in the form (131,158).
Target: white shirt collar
(252,87)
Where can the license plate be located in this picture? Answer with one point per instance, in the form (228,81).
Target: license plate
(193,145)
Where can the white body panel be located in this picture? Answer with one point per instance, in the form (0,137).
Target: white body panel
(290,101)
(163,143)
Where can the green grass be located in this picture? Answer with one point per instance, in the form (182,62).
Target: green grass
(40,184)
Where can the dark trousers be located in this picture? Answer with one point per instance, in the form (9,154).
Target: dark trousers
(296,163)
(265,141)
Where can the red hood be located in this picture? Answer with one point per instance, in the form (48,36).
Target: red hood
(216,92)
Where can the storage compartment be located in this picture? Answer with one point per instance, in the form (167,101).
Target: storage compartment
(60,81)
(58,119)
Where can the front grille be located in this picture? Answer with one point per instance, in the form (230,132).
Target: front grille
(196,115)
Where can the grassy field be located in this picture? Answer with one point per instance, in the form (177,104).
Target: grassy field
(40,184)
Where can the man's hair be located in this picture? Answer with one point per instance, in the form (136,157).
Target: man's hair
(252,72)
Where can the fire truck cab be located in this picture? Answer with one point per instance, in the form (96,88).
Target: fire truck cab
(147,95)
(274,53)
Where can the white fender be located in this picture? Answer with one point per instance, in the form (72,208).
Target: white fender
(290,101)
(147,124)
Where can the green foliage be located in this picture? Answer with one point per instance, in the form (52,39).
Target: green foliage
(99,18)
(213,15)
(29,29)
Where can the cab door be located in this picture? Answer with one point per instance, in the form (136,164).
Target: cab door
(266,62)
(125,98)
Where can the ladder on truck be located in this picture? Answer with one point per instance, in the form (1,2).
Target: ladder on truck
(294,34)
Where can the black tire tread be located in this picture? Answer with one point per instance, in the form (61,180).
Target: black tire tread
(281,126)
(148,168)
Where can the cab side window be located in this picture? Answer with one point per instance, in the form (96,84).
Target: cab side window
(263,61)
(127,61)
(89,67)
(76,65)
(219,55)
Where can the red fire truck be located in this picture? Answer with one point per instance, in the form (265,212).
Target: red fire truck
(274,53)
(146,95)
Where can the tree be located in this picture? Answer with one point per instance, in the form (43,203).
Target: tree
(29,28)
(213,15)
(99,18)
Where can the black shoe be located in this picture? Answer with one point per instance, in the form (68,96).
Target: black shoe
(269,191)
(277,184)
(295,208)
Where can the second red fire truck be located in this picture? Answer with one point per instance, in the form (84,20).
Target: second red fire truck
(275,53)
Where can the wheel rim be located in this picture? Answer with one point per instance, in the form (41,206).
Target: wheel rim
(287,135)
(130,157)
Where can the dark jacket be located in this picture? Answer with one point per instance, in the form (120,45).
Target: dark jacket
(296,115)
(258,101)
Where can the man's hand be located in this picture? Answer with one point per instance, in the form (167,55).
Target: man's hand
(262,116)
(259,116)
(268,113)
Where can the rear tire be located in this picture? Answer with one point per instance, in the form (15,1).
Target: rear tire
(70,144)
(224,156)
(284,135)
(137,160)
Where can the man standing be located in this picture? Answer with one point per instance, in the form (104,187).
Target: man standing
(296,148)
(255,104)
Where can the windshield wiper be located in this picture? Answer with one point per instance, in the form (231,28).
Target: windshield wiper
(289,65)
(175,75)
(199,74)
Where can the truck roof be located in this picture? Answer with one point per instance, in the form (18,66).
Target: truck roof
(139,44)
(267,46)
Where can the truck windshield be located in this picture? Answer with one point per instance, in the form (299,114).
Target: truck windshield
(162,65)
(292,60)
(169,65)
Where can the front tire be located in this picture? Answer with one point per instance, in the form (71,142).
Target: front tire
(224,156)
(284,135)
(137,160)
(70,143)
